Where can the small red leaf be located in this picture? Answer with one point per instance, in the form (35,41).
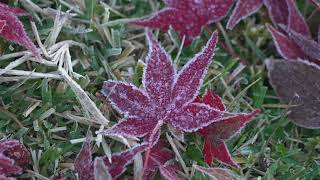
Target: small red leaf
(13,29)
(7,166)
(85,167)
(122,159)
(13,158)
(83,164)
(159,157)
(243,9)
(286,47)
(215,134)
(217,149)
(187,17)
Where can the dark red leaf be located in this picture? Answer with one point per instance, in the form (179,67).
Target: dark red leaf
(278,11)
(286,47)
(85,167)
(13,29)
(166,95)
(122,159)
(187,17)
(243,9)
(296,21)
(217,149)
(83,164)
(13,158)
(160,155)
(7,166)
(217,132)
(297,84)
(308,46)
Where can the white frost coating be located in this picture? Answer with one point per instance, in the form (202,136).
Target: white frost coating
(233,22)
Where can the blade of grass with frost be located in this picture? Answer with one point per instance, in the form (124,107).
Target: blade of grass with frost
(84,99)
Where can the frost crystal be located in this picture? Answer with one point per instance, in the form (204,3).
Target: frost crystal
(166,97)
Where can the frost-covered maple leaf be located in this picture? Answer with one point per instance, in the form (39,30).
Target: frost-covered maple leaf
(243,9)
(291,33)
(159,159)
(283,12)
(13,158)
(216,133)
(166,96)
(87,169)
(12,29)
(187,17)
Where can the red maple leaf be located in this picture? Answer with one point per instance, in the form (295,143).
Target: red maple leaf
(166,96)
(243,9)
(159,159)
(13,158)
(292,35)
(12,29)
(283,12)
(88,170)
(187,17)
(216,133)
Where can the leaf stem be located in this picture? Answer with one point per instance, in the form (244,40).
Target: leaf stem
(151,140)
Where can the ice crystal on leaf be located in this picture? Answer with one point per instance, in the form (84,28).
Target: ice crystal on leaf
(166,96)
(12,29)
(13,158)
(88,169)
(187,17)
(216,133)
(159,159)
